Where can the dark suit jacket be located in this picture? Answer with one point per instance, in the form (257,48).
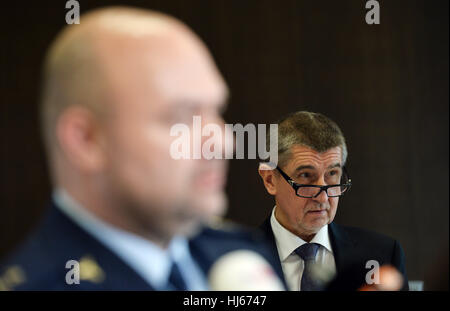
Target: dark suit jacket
(40,263)
(352,248)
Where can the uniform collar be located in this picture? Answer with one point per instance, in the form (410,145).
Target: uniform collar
(132,249)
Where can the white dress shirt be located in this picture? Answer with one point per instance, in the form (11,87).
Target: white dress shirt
(291,263)
(149,261)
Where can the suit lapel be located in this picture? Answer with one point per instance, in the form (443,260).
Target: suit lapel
(266,229)
(343,246)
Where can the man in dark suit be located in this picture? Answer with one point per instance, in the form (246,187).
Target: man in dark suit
(125,215)
(306,183)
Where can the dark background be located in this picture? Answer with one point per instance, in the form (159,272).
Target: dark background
(385,85)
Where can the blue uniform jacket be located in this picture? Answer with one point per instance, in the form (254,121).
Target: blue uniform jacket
(40,262)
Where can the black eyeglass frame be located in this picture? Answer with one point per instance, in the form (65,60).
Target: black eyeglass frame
(297,186)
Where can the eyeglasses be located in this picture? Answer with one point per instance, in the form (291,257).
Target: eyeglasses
(313,191)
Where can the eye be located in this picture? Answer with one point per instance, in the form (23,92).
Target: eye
(334,176)
(304,175)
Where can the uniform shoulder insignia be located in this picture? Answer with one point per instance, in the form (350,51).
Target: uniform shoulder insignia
(90,270)
(12,277)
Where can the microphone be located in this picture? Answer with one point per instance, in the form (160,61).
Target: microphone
(243,270)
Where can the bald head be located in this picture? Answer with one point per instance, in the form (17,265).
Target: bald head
(87,61)
(113,88)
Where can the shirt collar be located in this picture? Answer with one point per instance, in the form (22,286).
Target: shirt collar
(133,249)
(287,242)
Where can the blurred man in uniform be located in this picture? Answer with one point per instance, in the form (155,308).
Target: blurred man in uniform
(124,214)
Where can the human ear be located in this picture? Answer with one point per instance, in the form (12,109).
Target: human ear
(78,136)
(268,177)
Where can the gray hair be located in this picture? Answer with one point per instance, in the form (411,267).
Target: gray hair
(310,129)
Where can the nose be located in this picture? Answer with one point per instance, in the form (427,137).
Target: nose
(323,195)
